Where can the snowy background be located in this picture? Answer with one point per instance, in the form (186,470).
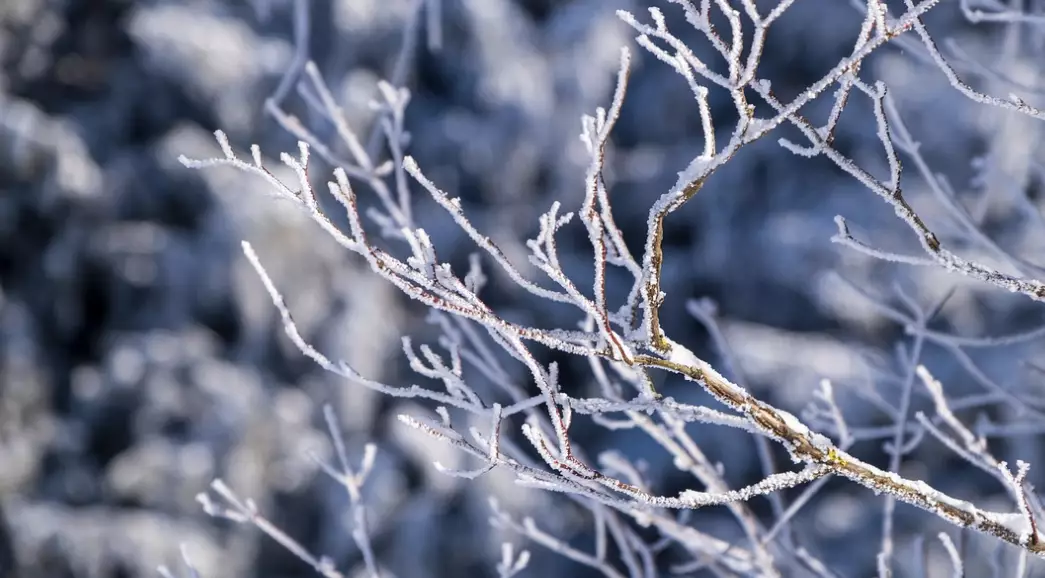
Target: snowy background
(140,357)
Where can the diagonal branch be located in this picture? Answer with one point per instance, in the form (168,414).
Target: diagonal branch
(815,449)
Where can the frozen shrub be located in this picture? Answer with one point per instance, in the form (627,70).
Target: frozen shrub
(495,394)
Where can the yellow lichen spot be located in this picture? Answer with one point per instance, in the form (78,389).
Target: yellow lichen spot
(833,457)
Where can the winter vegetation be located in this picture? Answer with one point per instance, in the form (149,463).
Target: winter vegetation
(623,289)
(624,341)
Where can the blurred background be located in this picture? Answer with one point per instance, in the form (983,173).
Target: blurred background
(140,357)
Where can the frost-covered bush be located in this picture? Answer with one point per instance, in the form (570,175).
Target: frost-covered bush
(493,382)
(742,430)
